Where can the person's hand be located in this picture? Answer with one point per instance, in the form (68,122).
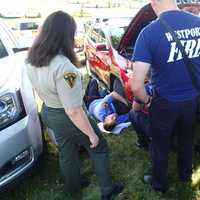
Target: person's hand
(146,106)
(94,140)
(131,75)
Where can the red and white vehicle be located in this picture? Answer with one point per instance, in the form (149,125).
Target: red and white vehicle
(109,48)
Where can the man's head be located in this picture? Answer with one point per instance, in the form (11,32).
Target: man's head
(160,6)
(110,122)
(192,6)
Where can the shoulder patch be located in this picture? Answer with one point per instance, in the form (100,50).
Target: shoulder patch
(70,79)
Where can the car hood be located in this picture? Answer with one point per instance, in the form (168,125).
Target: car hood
(11,67)
(144,16)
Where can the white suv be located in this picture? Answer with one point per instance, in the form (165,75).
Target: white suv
(20,132)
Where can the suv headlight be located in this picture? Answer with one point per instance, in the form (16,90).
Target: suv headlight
(11,108)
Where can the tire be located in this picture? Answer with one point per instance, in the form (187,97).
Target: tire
(118,87)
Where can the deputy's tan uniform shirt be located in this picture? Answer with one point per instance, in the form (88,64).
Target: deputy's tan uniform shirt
(59,84)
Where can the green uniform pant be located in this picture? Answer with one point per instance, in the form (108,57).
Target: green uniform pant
(69,138)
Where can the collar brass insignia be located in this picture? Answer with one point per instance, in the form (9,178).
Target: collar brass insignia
(70,78)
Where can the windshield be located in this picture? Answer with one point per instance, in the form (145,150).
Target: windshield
(116,35)
(28,26)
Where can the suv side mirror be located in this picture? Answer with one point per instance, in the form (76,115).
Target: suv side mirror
(101,47)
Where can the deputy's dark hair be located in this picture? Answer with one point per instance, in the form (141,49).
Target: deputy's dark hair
(109,127)
(56,36)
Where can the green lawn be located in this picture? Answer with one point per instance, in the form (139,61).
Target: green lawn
(128,164)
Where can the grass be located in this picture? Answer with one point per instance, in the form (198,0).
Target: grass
(128,164)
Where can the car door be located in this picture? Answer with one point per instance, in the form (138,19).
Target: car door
(98,54)
(90,48)
(103,57)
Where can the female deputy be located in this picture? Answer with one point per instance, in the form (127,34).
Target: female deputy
(51,67)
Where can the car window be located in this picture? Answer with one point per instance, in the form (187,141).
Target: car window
(3,51)
(28,26)
(116,35)
(98,36)
(102,37)
(94,35)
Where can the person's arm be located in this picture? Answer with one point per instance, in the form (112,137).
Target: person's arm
(80,120)
(69,88)
(136,106)
(118,97)
(142,57)
(137,83)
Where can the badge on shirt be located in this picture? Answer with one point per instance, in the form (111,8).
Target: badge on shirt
(70,79)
